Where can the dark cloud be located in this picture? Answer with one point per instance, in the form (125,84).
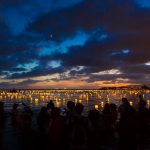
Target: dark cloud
(39,71)
(18,85)
(117,33)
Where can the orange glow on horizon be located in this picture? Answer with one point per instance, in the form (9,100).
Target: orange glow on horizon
(75,84)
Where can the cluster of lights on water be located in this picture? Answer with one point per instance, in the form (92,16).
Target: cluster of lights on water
(91,99)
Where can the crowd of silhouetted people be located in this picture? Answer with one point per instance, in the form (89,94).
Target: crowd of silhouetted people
(122,128)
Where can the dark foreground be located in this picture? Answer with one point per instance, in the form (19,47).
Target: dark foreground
(122,128)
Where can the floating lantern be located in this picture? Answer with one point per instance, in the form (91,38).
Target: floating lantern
(108,100)
(76,100)
(36,100)
(148,103)
(42,97)
(131,103)
(58,104)
(80,101)
(96,107)
(143,96)
(102,104)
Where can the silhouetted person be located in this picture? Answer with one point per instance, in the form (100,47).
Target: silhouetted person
(106,110)
(2,113)
(114,114)
(141,97)
(70,107)
(69,118)
(109,128)
(27,109)
(125,109)
(127,131)
(28,137)
(79,134)
(2,122)
(50,106)
(69,121)
(94,137)
(1,107)
(93,115)
(56,129)
(14,114)
(142,121)
(43,122)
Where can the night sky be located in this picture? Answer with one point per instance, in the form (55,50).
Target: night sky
(74,43)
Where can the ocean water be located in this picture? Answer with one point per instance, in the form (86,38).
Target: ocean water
(89,98)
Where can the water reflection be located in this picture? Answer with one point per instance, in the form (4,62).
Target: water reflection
(90,98)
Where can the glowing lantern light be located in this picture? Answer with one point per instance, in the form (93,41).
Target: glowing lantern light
(58,104)
(96,107)
(102,104)
(42,97)
(131,103)
(80,101)
(76,100)
(148,103)
(36,100)
(108,100)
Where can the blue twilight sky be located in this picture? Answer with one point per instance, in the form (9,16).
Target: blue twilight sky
(74,43)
